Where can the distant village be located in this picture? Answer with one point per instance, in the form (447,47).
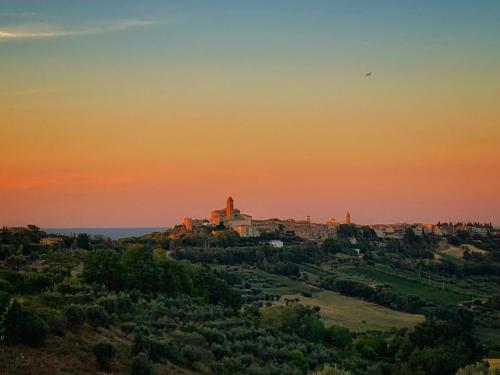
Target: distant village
(231,218)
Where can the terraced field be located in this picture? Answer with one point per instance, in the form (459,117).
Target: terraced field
(436,291)
(356,314)
(350,312)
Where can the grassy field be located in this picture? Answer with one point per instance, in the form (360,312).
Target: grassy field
(272,283)
(399,282)
(494,362)
(350,312)
(491,338)
(356,314)
(458,252)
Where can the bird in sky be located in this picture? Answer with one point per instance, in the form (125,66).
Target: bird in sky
(368,74)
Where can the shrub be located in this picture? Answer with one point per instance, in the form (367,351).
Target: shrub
(339,337)
(172,353)
(20,326)
(34,330)
(7,287)
(36,282)
(141,343)
(58,324)
(104,353)
(141,365)
(98,316)
(76,314)
(328,370)
(192,353)
(127,327)
(110,304)
(480,368)
(157,350)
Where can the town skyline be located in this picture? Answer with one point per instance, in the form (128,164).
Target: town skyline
(320,219)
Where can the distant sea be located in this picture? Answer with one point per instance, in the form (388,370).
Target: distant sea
(113,233)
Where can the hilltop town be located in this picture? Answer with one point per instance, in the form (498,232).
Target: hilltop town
(246,226)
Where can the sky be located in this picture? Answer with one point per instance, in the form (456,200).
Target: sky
(125,113)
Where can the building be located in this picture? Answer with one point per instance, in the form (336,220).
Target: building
(52,241)
(479,231)
(190,224)
(418,230)
(232,218)
(229,215)
(332,221)
(304,229)
(276,244)
(347,218)
(428,228)
(380,233)
(246,230)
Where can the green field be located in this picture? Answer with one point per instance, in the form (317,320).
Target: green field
(356,314)
(272,283)
(350,312)
(437,292)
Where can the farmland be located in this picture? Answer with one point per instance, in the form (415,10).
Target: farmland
(356,314)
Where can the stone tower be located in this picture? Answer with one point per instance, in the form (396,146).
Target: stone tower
(348,218)
(229,208)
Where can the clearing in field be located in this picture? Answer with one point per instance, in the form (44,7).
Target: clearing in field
(494,362)
(356,314)
(458,251)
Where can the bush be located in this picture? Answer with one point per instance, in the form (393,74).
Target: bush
(339,337)
(34,330)
(7,287)
(104,353)
(18,326)
(192,353)
(110,304)
(58,324)
(480,368)
(76,314)
(328,370)
(141,343)
(158,350)
(98,316)
(36,282)
(127,327)
(141,365)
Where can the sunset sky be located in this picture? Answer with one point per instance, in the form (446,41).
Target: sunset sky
(139,113)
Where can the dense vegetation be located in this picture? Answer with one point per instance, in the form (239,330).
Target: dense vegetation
(128,307)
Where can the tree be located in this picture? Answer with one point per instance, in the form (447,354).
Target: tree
(141,365)
(83,241)
(19,326)
(298,359)
(337,336)
(76,314)
(331,245)
(15,262)
(104,267)
(328,370)
(141,343)
(141,268)
(104,353)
